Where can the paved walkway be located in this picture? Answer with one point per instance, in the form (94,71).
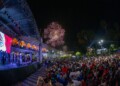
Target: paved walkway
(32,80)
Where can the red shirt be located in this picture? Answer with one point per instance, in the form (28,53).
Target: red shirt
(92,66)
(83,65)
(105,72)
(64,69)
(83,83)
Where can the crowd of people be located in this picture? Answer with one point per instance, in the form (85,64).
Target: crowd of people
(99,71)
(4,57)
(16,58)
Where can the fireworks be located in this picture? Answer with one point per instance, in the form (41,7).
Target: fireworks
(54,33)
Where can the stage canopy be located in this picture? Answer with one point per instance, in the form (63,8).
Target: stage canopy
(16,19)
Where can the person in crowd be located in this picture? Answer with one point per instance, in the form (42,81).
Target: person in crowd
(44,81)
(100,71)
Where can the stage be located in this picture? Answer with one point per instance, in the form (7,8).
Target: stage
(11,74)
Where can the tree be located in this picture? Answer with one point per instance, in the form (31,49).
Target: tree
(78,54)
(104,25)
(84,38)
(114,32)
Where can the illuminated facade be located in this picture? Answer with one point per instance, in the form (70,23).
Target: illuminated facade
(17,21)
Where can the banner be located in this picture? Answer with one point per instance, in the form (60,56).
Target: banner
(5,42)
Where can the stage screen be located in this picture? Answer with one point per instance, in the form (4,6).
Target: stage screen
(5,42)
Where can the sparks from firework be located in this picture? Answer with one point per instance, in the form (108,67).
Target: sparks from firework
(54,33)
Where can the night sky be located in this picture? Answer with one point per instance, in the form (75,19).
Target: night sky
(74,16)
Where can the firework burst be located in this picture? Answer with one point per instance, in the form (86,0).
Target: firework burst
(54,34)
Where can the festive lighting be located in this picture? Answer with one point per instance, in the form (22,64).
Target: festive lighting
(28,45)
(33,47)
(15,41)
(44,50)
(54,33)
(22,44)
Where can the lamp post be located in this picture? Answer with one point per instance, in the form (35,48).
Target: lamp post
(101,43)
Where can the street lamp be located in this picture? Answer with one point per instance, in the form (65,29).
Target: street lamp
(101,42)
